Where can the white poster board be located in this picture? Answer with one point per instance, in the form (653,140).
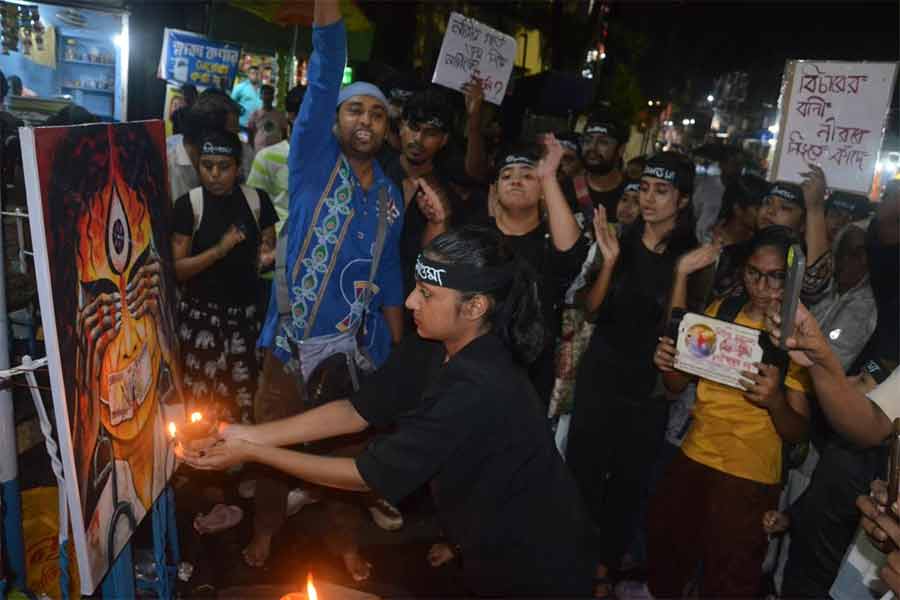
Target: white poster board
(472,49)
(832,114)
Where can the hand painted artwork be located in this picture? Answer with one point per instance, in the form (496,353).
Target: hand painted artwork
(99,207)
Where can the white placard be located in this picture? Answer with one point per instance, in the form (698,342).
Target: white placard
(471,48)
(716,350)
(833,114)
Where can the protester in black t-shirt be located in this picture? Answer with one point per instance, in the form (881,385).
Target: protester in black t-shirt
(555,248)
(424,134)
(602,145)
(465,420)
(616,426)
(223,233)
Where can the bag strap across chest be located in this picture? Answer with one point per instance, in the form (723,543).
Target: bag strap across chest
(251,196)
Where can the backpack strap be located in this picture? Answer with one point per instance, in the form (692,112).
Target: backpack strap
(251,195)
(381,234)
(730,307)
(282,296)
(196,197)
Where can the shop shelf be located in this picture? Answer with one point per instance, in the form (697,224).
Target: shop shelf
(89,90)
(87,62)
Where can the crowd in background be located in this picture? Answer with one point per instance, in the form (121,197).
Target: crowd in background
(759,486)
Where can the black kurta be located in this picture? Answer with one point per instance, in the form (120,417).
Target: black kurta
(474,429)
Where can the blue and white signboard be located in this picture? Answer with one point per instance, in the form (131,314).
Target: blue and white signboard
(189,57)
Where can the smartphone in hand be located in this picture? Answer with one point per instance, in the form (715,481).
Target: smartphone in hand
(796,267)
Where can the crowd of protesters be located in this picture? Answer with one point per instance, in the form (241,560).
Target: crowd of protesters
(660,484)
(426,307)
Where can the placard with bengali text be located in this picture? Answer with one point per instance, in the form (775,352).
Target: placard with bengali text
(833,114)
(472,49)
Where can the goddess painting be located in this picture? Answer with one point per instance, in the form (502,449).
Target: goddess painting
(105,203)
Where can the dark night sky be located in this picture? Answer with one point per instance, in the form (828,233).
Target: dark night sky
(701,40)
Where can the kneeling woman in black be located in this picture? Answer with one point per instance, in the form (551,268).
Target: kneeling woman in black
(466,420)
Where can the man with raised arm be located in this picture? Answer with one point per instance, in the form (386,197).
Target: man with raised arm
(338,284)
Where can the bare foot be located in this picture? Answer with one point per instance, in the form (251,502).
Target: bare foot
(440,554)
(359,568)
(603,586)
(775,522)
(257,551)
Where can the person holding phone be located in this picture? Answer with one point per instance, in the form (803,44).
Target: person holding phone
(221,230)
(715,492)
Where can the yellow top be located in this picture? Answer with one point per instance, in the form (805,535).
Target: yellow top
(731,434)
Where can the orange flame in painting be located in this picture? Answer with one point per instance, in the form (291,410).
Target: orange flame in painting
(310,588)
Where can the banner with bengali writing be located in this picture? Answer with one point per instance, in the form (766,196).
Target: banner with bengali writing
(833,114)
(472,49)
(193,58)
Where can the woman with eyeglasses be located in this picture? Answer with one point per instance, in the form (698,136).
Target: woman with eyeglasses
(711,500)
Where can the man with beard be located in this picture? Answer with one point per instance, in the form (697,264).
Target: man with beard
(602,144)
(338,293)
(424,133)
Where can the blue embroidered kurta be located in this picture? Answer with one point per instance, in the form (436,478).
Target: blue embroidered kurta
(332,224)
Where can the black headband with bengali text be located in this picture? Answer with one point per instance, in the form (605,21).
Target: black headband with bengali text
(464,278)
(632,186)
(213,149)
(599,129)
(517,159)
(422,120)
(660,172)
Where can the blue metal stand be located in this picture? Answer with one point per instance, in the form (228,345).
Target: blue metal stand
(12,532)
(119,581)
(165,537)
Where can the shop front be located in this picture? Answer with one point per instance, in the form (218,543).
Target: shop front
(64,54)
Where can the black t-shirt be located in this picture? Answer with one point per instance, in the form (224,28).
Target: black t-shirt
(473,428)
(555,270)
(609,199)
(631,317)
(233,280)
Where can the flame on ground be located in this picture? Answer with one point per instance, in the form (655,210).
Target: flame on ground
(310,588)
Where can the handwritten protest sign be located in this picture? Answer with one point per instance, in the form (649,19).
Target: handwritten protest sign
(192,58)
(832,114)
(472,49)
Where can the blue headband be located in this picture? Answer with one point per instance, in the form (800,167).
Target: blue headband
(361,88)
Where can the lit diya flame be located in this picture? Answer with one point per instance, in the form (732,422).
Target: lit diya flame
(196,417)
(172,429)
(310,588)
